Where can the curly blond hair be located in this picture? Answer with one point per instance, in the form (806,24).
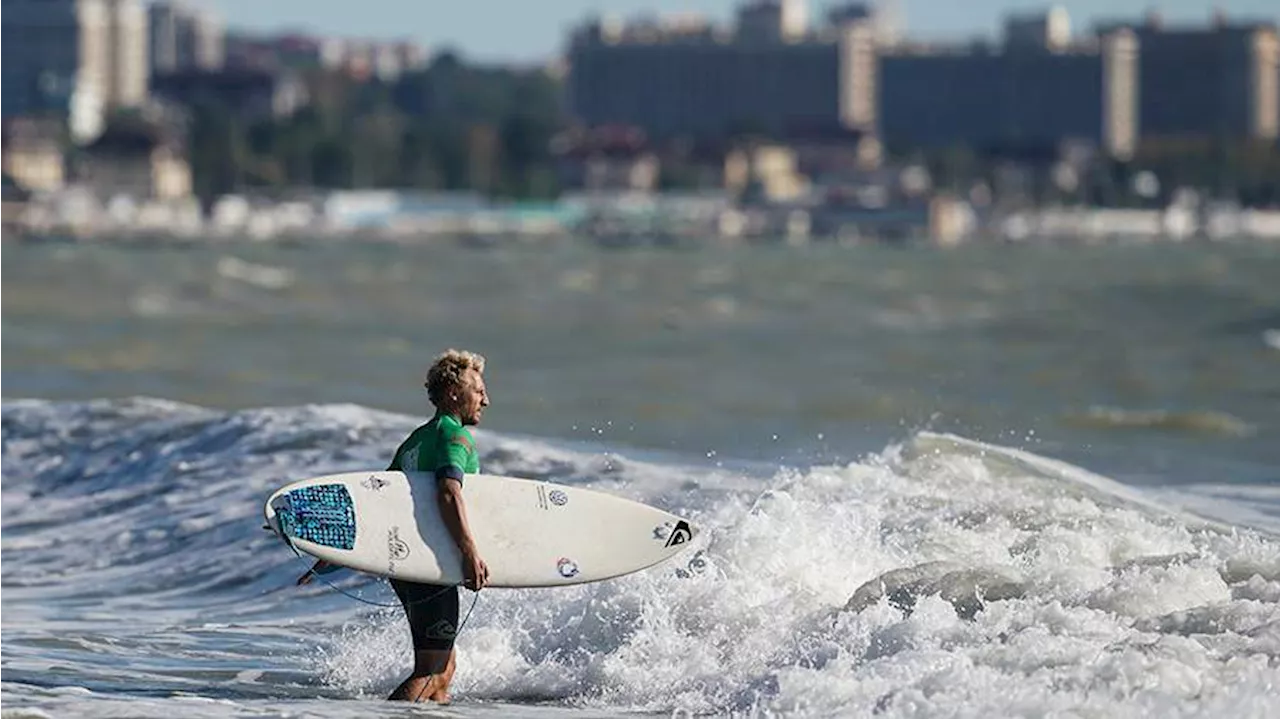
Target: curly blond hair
(447,371)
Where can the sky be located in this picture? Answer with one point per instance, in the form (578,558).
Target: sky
(534,30)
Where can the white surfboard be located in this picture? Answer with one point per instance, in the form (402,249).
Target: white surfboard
(529,533)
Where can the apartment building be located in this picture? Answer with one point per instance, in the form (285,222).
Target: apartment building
(1219,80)
(183,37)
(769,73)
(73,58)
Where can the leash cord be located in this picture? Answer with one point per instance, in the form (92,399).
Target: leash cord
(387,605)
(475,598)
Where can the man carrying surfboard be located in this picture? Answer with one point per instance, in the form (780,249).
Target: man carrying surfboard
(444,446)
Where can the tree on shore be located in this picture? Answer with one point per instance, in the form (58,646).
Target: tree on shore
(451,126)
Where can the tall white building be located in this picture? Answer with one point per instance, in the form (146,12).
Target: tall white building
(184,37)
(127,69)
(79,58)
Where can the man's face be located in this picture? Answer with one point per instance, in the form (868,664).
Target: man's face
(472,398)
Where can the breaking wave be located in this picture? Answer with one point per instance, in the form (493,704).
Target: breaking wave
(940,576)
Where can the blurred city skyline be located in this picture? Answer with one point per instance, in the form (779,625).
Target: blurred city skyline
(530,32)
(785,118)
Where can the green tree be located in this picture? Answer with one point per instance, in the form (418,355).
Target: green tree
(215,151)
(453,125)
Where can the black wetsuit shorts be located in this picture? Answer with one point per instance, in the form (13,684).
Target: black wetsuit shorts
(432,611)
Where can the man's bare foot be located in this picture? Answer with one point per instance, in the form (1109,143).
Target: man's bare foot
(412,689)
(438,688)
(425,685)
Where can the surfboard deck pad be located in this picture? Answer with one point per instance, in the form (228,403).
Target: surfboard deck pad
(322,514)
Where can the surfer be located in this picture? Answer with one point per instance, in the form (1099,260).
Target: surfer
(445,447)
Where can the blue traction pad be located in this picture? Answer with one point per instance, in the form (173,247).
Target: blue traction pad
(322,514)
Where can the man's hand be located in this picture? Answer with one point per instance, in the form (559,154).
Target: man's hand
(319,566)
(474,571)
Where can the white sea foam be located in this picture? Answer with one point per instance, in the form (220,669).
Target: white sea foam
(986,581)
(1117,596)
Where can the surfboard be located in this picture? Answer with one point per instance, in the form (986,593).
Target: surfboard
(530,533)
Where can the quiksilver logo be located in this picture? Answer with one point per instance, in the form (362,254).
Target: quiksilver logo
(396,548)
(681,534)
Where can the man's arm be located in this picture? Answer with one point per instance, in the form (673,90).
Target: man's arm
(453,510)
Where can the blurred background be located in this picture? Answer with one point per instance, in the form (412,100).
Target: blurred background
(637,123)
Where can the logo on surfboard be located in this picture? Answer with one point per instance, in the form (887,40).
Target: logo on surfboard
(567,568)
(681,534)
(397,550)
(374,483)
(556,497)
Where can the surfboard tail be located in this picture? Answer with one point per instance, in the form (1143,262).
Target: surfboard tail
(273,525)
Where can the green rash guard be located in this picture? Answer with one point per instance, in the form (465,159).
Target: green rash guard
(442,446)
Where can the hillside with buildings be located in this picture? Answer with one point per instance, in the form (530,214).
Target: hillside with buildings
(125,119)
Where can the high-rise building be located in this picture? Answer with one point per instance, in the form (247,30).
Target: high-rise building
(184,37)
(1037,89)
(1027,96)
(77,58)
(1218,80)
(770,75)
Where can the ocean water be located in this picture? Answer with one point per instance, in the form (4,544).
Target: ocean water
(979,483)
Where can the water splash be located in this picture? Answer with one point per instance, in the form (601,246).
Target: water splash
(135,568)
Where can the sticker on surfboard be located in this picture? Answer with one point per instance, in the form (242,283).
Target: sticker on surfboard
(681,534)
(567,568)
(397,548)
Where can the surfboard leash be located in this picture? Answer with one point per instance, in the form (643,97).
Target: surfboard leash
(388,605)
(461,625)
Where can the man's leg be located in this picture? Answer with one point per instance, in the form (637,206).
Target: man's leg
(432,612)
